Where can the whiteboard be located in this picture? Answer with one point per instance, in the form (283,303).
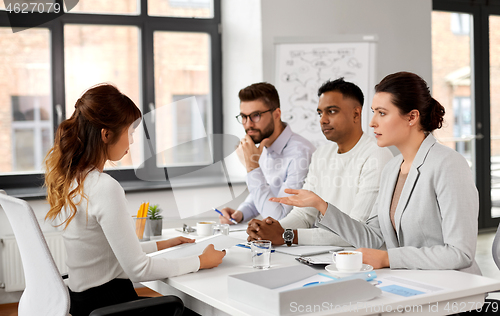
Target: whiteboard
(303,65)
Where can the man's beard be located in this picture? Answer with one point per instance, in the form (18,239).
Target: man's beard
(263,134)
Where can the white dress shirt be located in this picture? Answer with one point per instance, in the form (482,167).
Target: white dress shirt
(283,165)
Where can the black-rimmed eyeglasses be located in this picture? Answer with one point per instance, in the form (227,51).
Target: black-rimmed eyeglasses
(254,117)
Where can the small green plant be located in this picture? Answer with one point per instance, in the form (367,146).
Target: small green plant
(154,212)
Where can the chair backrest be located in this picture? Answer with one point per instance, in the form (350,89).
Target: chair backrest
(495,251)
(45,293)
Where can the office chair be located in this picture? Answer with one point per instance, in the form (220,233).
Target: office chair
(495,251)
(45,293)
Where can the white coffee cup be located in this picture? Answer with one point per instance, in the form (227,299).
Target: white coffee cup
(348,261)
(205,228)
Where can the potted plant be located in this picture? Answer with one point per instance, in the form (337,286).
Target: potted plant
(155,219)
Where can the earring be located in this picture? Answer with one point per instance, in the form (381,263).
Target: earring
(411,124)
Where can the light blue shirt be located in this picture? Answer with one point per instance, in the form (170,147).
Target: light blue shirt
(283,165)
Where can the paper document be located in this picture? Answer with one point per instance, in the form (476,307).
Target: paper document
(220,242)
(241,235)
(301,251)
(238,227)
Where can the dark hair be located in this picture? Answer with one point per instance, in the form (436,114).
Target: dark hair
(410,92)
(348,89)
(78,145)
(263,91)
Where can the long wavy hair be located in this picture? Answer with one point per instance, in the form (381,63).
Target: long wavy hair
(79,148)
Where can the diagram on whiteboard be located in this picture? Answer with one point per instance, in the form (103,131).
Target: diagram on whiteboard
(302,68)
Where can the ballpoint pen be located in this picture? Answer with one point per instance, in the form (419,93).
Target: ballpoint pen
(231,219)
(247,245)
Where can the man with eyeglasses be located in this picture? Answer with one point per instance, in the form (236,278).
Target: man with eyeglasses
(280,161)
(344,172)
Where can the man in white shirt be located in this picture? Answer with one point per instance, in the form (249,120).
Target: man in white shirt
(280,161)
(345,172)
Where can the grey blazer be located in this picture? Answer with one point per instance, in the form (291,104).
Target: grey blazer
(435,219)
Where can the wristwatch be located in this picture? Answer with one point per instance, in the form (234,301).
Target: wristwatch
(288,236)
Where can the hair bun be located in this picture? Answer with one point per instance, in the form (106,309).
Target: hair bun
(410,92)
(436,116)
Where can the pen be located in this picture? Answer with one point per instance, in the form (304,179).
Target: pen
(243,246)
(248,247)
(312,283)
(231,219)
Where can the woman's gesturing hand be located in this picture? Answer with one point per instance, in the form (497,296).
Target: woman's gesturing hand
(302,198)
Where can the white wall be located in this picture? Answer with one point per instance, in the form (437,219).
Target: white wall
(403,28)
(241,55)
(241,59)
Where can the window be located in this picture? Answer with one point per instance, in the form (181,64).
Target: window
(31,132)
(466,80)
(494,113)
(460,23)
(106,7)
(182,121)
(101,53)
(451,82)
(160,53)
(181,8)
(462,125)
(25,100)
(188,135)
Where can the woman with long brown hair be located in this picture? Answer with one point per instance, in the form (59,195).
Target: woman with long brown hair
(103,252)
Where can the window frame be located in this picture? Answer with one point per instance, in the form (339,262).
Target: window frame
(30,185)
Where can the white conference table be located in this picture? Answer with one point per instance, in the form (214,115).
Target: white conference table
(206,291)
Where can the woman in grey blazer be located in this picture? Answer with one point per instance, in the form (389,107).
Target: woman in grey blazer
(427,208)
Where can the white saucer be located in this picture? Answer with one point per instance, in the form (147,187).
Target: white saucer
(332,268)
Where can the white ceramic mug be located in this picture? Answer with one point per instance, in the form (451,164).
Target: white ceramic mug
(205,228)
(348,261)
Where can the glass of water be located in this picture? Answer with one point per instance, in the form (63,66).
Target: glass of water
(261,254)
(221,229)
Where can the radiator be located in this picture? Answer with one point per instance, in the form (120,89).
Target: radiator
(13,274)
